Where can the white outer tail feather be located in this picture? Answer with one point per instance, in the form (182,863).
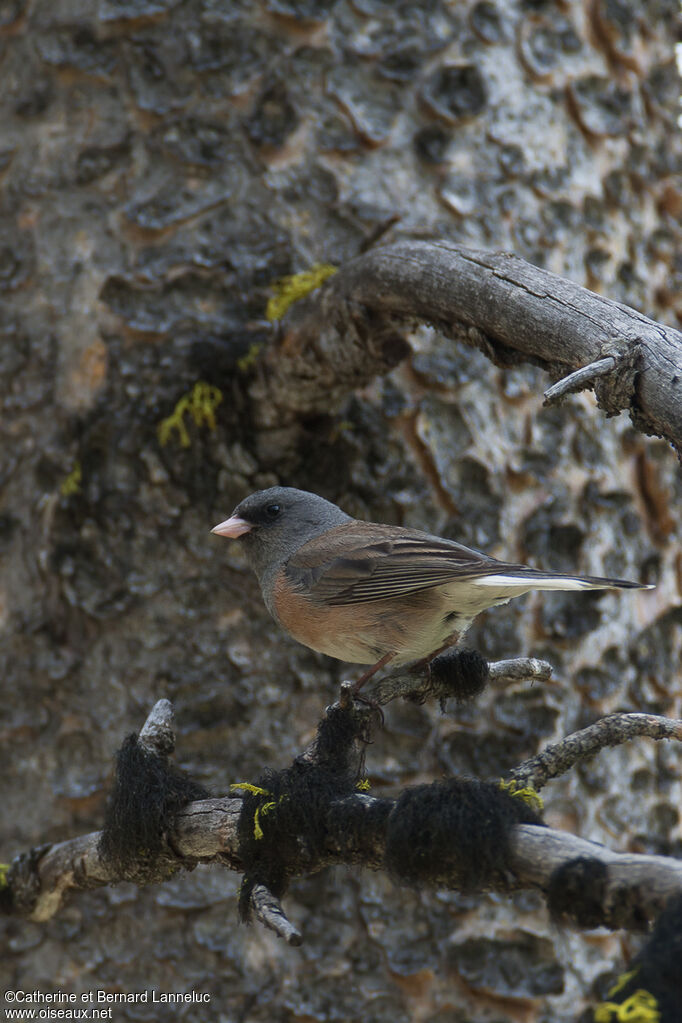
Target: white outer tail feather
(549,583)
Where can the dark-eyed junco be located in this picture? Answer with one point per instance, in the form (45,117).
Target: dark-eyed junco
(372,593)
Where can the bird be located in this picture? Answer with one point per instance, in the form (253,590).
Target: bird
(372,593)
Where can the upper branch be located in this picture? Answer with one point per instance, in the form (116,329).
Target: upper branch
(351,330)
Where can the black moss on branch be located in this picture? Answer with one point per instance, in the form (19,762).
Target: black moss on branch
(454,833)
(147,793)
(284,825)
(651,987)
(462,674)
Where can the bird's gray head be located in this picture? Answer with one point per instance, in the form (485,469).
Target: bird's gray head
(274,523)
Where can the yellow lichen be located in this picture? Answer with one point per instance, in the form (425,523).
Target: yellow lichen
(248,787)
(261,812)
(200,404)
(250,358)
(622,981)
(72,483)
(529,796)
(640,1007)
(291,288)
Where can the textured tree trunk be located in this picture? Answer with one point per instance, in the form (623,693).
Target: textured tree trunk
(162,163)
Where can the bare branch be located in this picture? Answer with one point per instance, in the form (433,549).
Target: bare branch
(353,327)
(637,887)
(613,730)
(268,909)
(157,735)
(520,669)
(421,683)
(68,866)
(579,380)
(206,830)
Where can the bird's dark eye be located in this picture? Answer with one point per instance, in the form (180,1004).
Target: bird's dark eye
(272,511)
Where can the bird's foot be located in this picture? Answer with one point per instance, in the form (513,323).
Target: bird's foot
(373,705)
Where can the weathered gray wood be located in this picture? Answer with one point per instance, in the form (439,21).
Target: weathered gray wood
(537,852)
(268,910)
(580,379)
(559,757)
(350,330)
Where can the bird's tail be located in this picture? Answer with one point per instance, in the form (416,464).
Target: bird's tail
(522,579)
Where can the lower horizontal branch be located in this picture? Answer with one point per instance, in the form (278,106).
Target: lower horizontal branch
(637,886)
(207,831)
(356,828)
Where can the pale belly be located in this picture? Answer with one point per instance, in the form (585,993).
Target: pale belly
(410,627)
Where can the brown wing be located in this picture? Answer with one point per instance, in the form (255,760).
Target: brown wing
(359,562)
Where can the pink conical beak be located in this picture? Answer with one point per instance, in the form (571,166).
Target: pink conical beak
(232,527)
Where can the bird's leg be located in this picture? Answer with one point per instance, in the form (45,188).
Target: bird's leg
(359,683)
(365,677)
